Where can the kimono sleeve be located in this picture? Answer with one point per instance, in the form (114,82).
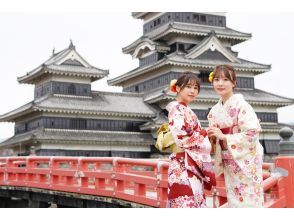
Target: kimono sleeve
(246,133)
(186,131)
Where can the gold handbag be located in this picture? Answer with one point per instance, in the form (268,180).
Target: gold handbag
(165,141)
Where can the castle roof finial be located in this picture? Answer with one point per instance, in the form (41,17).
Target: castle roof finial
(212,32)
(71,45)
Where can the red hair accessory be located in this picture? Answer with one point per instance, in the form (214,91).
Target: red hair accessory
(172,85)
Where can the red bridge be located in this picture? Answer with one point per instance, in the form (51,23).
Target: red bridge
(116,182)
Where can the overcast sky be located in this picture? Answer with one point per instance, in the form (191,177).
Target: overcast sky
(27,40)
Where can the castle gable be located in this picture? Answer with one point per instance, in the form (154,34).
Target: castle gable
(209,45)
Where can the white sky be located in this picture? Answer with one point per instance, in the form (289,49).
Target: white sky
(27,38)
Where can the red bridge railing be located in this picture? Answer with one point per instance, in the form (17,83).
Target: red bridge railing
(278,189)
(142,181)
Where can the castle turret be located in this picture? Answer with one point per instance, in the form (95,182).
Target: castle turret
(67,118)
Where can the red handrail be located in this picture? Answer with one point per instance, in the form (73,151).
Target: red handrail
(141,181)
(276,187)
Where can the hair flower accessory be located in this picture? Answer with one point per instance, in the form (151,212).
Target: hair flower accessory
(172,85)
(210,78)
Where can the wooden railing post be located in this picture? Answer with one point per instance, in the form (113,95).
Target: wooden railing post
(287,162)
(219,194)
(286,146)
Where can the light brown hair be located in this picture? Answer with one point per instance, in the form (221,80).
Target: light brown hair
(226,70)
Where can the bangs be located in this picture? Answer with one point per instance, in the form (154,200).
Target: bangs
(225,71)
(188,78)
(192,82)
(222,74)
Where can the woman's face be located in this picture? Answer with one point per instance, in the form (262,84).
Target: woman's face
(188,93)
(223,85)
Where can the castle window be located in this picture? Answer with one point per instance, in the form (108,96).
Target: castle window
(196,17)
(72,89)
(203,76)
(158,21)
(181,47)
(78,124)
(203,18)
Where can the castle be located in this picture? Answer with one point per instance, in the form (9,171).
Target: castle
(67,118)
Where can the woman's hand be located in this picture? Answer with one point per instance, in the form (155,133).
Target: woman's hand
(216,132)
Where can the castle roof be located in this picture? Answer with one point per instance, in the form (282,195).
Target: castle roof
(144,42)
(180,59)
(207,95)
(46,135)
(66,62)
(191,30)
(101,103)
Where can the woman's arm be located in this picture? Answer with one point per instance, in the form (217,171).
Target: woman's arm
(247,131)
(186,131)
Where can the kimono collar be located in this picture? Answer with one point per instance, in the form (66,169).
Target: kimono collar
(232,99)
(174,103)
(183,103)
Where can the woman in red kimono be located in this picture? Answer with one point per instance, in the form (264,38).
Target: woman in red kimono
(190,168)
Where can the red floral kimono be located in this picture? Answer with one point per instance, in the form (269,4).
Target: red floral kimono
(191,170)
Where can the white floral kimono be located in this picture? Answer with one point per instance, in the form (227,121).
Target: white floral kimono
(242,162)
(191,170)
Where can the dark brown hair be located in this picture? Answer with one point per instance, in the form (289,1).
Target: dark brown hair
(187,77)
(227,70)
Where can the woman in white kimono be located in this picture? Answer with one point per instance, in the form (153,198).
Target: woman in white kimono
(190,169)
(235,128)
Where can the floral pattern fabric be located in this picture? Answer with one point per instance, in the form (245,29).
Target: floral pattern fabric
(190,170)
(242,162)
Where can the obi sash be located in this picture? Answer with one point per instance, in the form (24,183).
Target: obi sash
(225,154)
(227,130)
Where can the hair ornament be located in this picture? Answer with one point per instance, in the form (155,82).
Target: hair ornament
(211,75)
(172,85)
